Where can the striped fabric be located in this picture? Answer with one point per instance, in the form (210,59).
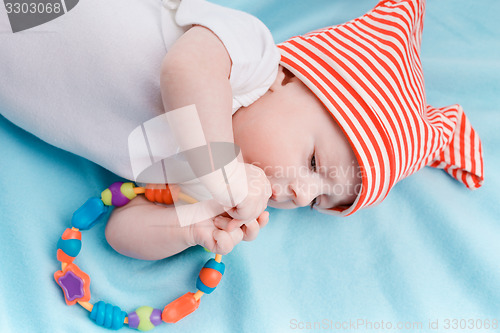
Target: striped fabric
(367,72)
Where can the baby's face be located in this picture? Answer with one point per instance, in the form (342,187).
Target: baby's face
(291,135)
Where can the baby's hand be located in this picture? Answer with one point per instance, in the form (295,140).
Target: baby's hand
(259,192)
(221,233)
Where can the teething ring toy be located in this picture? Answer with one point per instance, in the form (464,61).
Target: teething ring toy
(75,283)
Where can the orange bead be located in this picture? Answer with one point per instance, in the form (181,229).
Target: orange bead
(63,257)
(71,234)
(69,245)
(180,308)
(165,194)
(210,277)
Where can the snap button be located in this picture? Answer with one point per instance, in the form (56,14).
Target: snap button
(171,4)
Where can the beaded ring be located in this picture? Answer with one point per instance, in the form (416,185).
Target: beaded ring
(76,284)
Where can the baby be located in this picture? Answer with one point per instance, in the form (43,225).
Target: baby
(332,119)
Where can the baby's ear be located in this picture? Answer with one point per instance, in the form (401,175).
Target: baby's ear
(283,78)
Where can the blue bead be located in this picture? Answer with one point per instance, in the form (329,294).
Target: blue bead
(107,315)
(118,318)
(88,214)
(212,263)
(70,246)
(218,266)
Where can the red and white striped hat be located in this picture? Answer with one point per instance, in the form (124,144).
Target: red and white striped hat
(367,72)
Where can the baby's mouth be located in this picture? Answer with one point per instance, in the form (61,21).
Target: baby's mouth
(275,198)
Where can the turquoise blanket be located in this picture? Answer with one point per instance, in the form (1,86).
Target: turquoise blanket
(427,257)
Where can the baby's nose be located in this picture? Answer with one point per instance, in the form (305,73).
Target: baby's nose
(302,194)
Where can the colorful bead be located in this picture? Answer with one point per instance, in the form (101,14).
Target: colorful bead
(69,245)
(75,284)
(63,257)
(118,194)
(144,318)
(107,315)
(210,276)
(127,189)
(88,214)
(165,194)
(180,308)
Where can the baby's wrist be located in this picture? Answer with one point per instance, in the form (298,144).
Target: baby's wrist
(189,235)
(228,185)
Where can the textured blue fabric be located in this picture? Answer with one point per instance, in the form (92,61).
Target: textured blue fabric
(430,251)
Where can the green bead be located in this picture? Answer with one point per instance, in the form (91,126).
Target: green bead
(144,313)
(127,190)
(106,197)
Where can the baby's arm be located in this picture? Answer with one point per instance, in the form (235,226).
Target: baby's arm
(147,231)
(196,70)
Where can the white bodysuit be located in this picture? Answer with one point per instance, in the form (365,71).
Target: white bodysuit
(85,80)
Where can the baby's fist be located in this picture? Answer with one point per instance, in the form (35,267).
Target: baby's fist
(259,192)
